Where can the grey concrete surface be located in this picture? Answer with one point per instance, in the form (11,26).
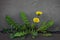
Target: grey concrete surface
(13,7)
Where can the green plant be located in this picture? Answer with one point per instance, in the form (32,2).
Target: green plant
(24,18)
(21,30)
(47,34)
(45,26)
(11,22)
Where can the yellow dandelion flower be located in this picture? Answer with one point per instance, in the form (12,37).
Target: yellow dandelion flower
(39,12)
(36,20)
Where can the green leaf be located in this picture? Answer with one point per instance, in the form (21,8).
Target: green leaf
(19,34)
(46,26)
(33,26)
(23,27)
(34,33)
(11,36)
(12,23)
(50,23)
(24,18)
(47,34)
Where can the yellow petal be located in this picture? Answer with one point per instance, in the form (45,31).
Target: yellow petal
(39,12)
(36,20)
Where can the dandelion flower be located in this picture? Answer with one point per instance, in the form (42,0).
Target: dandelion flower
(36,20)
(39,12)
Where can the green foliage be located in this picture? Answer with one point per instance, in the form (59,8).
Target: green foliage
(14,25)
(11,22)
(45,26)
(18,34)
(19,30)
(34,33)
(47,34)
(33,26)
(24,18)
